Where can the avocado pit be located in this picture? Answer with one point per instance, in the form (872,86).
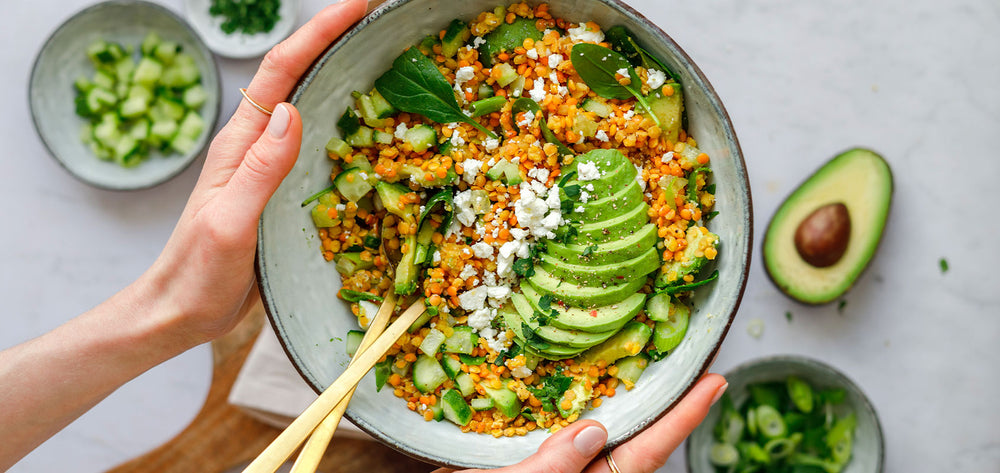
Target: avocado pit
(822,237)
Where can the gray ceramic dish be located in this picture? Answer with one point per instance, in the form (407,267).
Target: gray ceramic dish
(868,453)
(299,288)
(63,58)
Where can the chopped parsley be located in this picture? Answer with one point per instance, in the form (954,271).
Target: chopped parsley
(553,388)
(840,305)
(532,339)
(589,250)
(788,315)
(524,267)
(943,263)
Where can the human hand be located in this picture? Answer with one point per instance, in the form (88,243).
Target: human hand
(206,269)
(574,448)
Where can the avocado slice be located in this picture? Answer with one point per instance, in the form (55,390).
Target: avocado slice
(598,319)
(613,205)
(622,249)
(669,109)
(507,37)
(579,295)
(859,179)
(570,338)
(615,228)
(548,350)
(605,274)
(629,341)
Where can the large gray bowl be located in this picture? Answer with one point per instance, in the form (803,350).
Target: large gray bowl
(299,288)
(868,454)
(63,58)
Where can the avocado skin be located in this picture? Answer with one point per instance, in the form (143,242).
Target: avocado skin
(858,169)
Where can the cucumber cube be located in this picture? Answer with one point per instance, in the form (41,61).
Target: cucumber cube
(427,374)
(195,96)
(337,147)
(147,72)
(455,408)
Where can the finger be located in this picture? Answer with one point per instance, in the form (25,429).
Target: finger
(263,167)
(566,451)
(286,62)
(650,449)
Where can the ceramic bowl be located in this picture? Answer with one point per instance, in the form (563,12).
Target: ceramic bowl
(299,288)
(63,58)
(868,452)
(238,45)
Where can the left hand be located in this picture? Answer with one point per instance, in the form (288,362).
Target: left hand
(574,449)
(206,269)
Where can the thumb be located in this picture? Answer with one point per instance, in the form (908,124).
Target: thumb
(566,451)
(266,163)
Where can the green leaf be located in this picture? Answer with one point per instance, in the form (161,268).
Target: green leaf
(356,296)
(589,250)
(415,85)
(532,339)
(552,389)
(317,195)
(525,104)
(687,287)
(445,198)
(524,267)
(598,67)
(943,263)
(545,302)
(622,41)
(566,177)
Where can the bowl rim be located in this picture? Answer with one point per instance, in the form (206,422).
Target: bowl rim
(728,129)
(116,4)
(811,364)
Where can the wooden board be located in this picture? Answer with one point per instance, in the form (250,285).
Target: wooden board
(222,437)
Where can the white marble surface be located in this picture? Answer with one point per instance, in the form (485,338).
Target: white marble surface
(915,80)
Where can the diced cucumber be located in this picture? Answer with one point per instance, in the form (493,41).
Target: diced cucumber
(104,80)
(133,107)
(481,404)
(163,131)
(428,374)
(125,150)
(463,340)
(167,108)
(353,184)
(326,200)
(360,162)
(505,400)
(140,129)
(166,52)
(452,366)
(421,320)
(383,137)
(400,366)
(366,312)
(348,123)
(349,263)
(366,108)
(363,137)
(455,36)
(148,71)
(630,368)
(465,384)
(407,271)
(337,147)
(506,172)
(149,43)
(195,96)
(353,341)
(102,52)
(124,69)
(658,307)
(183,144)
(437,410)
(106,131)
(391,196)
(668,334)
(381,106)
(432,342)
(455,408)
(382,371)
(584,126)
(598,106)
(418,175)
(99,98)
(485,91)
(182,73)
(421,137)
(506,75)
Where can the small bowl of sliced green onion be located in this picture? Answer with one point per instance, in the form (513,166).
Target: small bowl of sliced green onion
(788,414)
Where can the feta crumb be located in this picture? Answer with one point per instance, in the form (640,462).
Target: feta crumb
(532,54)
(623,72)
(470,169)
(464,211)
(628,114)
(583,34)
(537,93)
(584,196)
(529,117)
(588,171)
(467,272)
(579,209)
(341,207)
(521,372)
(477,42)
(655,78)
(473,299)
(553,199)
(463,75)
(457,140)
(602,135)
(482,250)
(539,173)
(491,144)
(638,177)
(436,257)
(667,157)
(555,60)
(400,131)
(481,317)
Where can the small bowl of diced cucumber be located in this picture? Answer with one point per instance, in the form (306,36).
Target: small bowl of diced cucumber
(788,413)
(125,95)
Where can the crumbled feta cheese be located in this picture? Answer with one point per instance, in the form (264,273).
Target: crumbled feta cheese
(341,207)
(400,131)
(582,33)
(667,157)
(537,93)
(584,196)
(463,75)
(623,72)
(529,117)
(491,144)
(532,54)
(588,171)
(464,211)
(555,60)
(482,250)
(589,187)
(628,114)
(477,42)
(473,299)
(467,272)
(553,200)
(602,135)
(655,78)
(539,173)
(470,169)
(436,257)
(456,139)
(518,233)
(490,278)
(638,177)
(521,372)
(579,209)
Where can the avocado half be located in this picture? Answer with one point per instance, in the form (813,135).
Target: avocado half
(860,180)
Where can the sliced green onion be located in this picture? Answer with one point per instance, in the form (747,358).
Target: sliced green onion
(770,423)
(723,454)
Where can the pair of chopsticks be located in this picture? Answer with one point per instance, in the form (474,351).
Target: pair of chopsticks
(319,421)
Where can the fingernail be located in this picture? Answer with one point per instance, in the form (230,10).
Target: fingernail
(280,119)
(719,392)
(589,440)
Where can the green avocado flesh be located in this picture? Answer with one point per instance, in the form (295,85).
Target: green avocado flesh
(862,181)
(589,286)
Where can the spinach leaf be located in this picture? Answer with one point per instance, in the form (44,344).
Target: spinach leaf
(525,104)
(621,40)
(415,85)
(598,66)
(444,198)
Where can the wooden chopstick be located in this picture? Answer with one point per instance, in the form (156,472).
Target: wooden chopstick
(314,448)
(282,447)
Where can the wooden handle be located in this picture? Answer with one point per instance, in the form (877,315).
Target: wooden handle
(312,452)
(282,447)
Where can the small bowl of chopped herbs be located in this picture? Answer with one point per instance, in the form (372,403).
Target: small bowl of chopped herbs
(124,95)
(242,28)
(788,414)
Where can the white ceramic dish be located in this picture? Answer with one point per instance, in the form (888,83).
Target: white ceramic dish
(868,452)
(299,288)
(63,58)
(238,45)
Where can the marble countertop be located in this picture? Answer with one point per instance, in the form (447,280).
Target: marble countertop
(802,81)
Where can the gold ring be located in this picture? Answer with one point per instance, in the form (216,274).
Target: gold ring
(611,463)
(254,103)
